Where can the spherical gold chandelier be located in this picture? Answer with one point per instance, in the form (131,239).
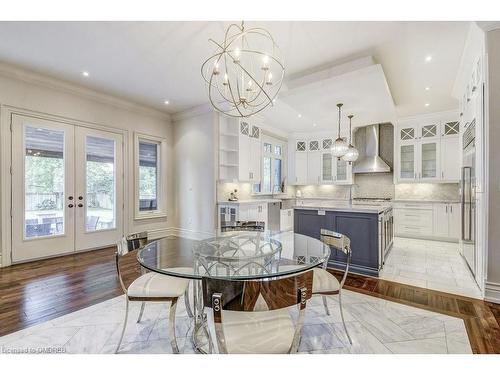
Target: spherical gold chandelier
(245,73)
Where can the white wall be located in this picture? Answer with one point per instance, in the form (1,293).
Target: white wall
(195,162)
(33,92)
(493,275)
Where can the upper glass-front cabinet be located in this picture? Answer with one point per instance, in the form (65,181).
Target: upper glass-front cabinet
(451,128)
(429,160)
(407,134)
(429,131)
(407,169)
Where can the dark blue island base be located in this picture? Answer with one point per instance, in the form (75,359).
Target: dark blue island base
(361,228)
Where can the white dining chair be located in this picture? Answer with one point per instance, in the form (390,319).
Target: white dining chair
(254,317)
(148,287)
(325,283)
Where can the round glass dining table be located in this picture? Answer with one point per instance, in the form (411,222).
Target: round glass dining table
(231,256)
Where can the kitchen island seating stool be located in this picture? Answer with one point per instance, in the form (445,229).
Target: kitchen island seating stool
(253,316)
(326,284)
(148,287)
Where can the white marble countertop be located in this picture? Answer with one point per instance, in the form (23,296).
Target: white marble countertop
(424,201)
(363,208)
(248,201)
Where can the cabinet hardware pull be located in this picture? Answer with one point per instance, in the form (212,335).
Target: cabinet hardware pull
(451,209)
(446,208)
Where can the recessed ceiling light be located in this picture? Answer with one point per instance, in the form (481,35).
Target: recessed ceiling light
(427,88)
(314,125)
(166,102)
(300,115)
(85,73)
(428,58)
(427,104)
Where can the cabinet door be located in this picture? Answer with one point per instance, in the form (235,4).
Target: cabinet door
(341,171)
(262,212)
(429,157)
(450,159)
(253,212)
(244,153)
(300,168)
(454,220)
(441,220)
(255,157)
(407,161)
(314,167)
(429,131)
(327,163)
(243,212)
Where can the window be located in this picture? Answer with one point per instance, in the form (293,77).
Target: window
(272,166)
(149,177)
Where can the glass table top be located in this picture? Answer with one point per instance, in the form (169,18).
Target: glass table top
(235,255)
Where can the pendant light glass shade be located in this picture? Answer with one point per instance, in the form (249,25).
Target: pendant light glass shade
(352,153)
(339,147)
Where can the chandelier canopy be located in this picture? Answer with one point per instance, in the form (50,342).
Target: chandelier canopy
(245,73)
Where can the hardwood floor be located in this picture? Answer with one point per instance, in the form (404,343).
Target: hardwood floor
(39,291)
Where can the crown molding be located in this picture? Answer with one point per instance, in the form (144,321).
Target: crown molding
(488,25)
(14,72)
(193,112)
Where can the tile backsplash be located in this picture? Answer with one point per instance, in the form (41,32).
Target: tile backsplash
(427,191)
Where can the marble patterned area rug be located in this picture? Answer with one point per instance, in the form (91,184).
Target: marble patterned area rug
(375,326)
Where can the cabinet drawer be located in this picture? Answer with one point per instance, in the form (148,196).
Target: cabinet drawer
(414,217)
(409,229)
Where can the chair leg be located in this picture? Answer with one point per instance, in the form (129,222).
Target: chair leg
(342,316)
(124,326)
(188,305)
(142,310)
(325,303)
(171,326)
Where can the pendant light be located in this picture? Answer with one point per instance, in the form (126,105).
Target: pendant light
(352,153)
(339,147)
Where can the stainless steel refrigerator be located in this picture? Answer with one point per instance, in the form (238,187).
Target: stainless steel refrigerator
(469,197)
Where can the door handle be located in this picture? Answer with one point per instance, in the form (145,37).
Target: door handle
(70,198)
(80,205)
(70,205)
(80,197)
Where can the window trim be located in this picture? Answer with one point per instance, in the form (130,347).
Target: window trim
(161,191)
(274,141)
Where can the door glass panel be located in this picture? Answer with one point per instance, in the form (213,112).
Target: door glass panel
(101,184)
(407,158)
(429,160)
(327,167)
(341,170)
(44,182)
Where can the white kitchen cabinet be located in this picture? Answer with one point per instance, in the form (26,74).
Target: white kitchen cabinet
(447,220)
(343,172)
(286,219)
(428,149)
(252,212)
(437,221)
(450,162)
(428,166)
(407,161)
(327,167)
(300,163)
(249,153)
(313,162)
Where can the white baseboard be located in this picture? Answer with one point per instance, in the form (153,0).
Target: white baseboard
(492,292)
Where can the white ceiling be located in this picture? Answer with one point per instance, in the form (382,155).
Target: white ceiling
(149,62)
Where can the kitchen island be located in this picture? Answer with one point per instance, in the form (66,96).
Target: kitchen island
(368,226)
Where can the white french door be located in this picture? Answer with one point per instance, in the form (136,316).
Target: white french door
(67,190)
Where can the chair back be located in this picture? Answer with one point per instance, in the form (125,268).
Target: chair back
(127,266)
(257,295)
(338,242)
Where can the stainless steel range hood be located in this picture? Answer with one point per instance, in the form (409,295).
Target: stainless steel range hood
(371,162)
